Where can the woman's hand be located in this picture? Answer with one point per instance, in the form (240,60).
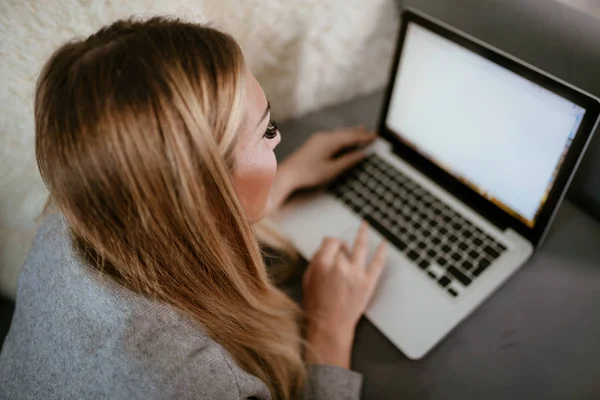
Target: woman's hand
(337,288)
(315,164)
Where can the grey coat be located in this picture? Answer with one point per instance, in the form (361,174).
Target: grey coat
(77,335)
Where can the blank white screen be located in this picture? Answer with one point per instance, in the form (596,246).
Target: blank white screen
(481,122)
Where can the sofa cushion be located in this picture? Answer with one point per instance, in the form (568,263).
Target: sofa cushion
(548,34)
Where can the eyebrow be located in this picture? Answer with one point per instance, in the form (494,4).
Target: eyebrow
(267,111)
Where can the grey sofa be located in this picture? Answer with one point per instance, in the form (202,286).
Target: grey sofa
(538,336)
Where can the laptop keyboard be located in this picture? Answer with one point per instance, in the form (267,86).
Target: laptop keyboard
(440,242)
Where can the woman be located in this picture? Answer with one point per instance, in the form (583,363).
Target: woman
(155,143)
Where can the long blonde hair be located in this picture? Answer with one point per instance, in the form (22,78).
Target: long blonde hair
(135,130)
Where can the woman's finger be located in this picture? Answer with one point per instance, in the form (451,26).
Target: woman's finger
(324,257)
(377,264)
(346,161)
(361,246)
(346,249)
(306,277)
(328,251)
(342,261)
(345,138)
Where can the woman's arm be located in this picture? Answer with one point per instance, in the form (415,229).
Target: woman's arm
(337,287)
(326,382)
(211,374)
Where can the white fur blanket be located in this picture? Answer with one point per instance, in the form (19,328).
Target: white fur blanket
(306,54)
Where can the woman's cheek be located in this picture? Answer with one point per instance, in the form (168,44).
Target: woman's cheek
(253,183)
(266,179)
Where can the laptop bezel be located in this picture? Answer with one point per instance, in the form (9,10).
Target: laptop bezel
(501,218)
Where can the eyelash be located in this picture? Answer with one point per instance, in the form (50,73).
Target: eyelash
(272,130)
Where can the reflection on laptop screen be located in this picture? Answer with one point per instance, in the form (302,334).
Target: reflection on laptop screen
(496,131)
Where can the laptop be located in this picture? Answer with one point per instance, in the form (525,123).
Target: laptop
(476,150)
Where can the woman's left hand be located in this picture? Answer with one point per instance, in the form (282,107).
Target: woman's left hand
(315,163)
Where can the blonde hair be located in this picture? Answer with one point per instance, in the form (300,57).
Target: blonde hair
(135,130)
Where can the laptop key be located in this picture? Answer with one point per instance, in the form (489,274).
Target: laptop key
(488,238)
(498,248)
(423,264)
(491,252)
(412,255)
(481,266)
(453,292)
(462,278)
(393,239)
(401,245)
(444,281)
(467,265)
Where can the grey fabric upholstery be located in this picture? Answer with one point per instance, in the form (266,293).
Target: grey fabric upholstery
(550,35)
(535,338)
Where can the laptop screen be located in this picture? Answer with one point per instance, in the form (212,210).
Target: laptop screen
(497,132)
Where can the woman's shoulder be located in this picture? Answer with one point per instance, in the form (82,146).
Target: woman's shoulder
(85,335)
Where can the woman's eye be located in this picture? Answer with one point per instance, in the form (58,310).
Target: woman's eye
(272,130)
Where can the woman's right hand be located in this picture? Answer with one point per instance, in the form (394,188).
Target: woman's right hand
(337,288)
